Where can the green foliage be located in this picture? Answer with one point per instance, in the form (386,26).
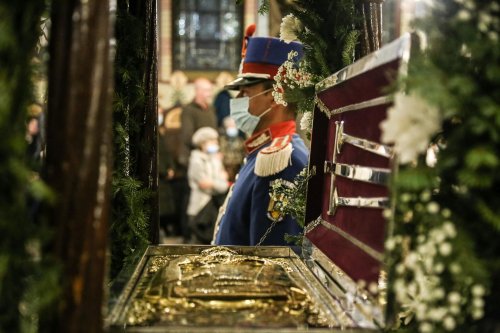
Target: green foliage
(263,8)
(290,199)
(330,36)
(24,289)
(458,73)
(130,210)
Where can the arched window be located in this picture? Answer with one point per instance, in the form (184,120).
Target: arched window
(207,35)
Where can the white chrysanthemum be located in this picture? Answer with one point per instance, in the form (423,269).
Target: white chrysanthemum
(306,121)
(289,27)
(409,125)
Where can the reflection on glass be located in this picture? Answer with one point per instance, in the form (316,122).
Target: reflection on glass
(208,5)
(220,287)
(207,35)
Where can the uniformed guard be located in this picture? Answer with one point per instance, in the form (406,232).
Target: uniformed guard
(274,149)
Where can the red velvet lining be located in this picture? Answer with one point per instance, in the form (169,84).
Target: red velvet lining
(364,224)
(356,263)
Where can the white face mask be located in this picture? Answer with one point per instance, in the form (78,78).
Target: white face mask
(232,132)
(245,121)
(212,148)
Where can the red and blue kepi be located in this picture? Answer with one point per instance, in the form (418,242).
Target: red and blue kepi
(261,58)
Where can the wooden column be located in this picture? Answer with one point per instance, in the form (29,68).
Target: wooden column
(78,165)
(370,12)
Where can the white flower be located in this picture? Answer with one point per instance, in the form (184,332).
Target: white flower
(438,293)
(455,268)
(454,297)
(454,309)
(373,288)
(289,27)
(478,302)
(446,213)
(449,229)
(425,196)
(445,249)
(433,207)
(390,244)
(425,327)
(478,290)
(477,313)
(438,235)
(463,15)
(437,314)
(439,268)
(306,121)
(493,35)
(410,124)
(411,260)
(449,323)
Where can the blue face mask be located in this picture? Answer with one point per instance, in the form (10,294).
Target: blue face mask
(232,132)
(212,148)
(245,121)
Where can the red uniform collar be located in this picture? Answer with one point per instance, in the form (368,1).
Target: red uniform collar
(265,136)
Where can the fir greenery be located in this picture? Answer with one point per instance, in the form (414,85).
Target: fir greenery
(27,282)
(130,213)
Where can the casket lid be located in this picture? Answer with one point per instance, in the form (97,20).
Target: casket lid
(350,168)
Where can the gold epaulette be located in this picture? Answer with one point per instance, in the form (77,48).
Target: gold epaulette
(275,158)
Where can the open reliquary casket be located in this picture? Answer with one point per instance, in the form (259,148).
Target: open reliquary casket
(339,281)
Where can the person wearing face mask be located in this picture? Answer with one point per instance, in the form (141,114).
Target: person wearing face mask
(208,181)
(274,150)
(232,147)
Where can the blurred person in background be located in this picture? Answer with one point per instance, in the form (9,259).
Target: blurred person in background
(232,147)
(222,98)
(195,115)
(172,177)
(208,182)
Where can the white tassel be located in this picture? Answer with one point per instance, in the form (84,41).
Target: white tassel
(268,164)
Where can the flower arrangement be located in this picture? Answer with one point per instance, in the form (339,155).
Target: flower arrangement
(445,261)
(434,277)
(290,198)
(326,31)
(410,125)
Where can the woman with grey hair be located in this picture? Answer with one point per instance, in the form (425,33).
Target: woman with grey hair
(208,182)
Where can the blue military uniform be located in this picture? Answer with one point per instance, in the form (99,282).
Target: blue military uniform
(275,153)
